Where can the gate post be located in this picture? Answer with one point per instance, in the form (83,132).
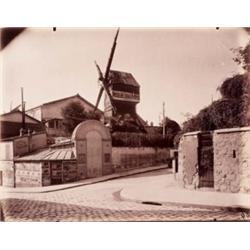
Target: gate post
(90,156)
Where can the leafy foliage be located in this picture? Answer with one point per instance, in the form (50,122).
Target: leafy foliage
(171,127)
(233,87)
(74,113)
(243,56)
(228,112)
(132,138)
(125,123)
(128,139)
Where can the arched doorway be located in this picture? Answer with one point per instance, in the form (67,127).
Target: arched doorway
(94,154)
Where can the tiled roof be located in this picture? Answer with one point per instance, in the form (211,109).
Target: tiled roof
(3,116)
(122,77)
(49,154)
(64,99)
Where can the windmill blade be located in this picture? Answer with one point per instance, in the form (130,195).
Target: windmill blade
(110,59)
(105,79)
(99,72)
(98,98)
(103,87)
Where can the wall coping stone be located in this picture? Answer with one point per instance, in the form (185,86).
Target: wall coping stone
(232,130)
(192,133)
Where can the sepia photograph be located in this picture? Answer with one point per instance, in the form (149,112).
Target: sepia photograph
(124,124)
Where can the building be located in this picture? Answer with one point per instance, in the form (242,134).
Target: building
(28,160)
(11,124)
(218,160)
(125,93)
(12,148)
(50,113)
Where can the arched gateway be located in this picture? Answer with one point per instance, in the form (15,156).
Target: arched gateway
(93,149)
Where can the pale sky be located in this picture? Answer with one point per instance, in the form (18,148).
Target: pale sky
(181,67)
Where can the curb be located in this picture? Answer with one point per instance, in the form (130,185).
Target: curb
(89,181)
(233,208)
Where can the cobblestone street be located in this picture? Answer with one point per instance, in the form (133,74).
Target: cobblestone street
(101,202)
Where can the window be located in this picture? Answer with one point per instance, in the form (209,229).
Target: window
(51,124)
(56,123)
(234,154)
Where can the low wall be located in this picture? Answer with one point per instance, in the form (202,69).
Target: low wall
(125,158)
(7,173)
(6,151)
(17,146)
(232,160)
(37,141)
(187,174)
(20,145)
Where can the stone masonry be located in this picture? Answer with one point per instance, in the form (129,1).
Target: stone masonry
(232,160)
(187,175)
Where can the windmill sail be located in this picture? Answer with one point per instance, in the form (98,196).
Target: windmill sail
(110,58)
(105,79)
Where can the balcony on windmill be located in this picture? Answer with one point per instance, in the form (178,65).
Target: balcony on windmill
(124,87)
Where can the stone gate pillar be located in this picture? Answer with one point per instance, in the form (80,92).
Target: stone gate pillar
(93,149)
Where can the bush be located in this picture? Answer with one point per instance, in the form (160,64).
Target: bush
(232,110)
(74,113)
(233,87)
(126,139)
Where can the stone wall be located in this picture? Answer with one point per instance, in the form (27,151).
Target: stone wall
(16,147)
(7,172)
(125,158)
(37,141)
(6,164)
(187,174)
(232,160)
(28,143)
(6,151)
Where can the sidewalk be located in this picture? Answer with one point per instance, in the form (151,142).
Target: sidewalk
(53,188)
(165,190)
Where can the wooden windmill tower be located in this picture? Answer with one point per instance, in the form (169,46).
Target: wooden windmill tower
(122,94)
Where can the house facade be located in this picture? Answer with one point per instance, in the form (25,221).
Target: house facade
(50,113)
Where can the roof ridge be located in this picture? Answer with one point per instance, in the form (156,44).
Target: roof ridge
(65,98)
(18,111)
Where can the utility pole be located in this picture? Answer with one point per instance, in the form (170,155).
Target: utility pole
(23,109)
(163,122)
(212,98)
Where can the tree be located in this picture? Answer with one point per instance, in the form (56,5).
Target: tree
(233,87)
(242,56)
(74,113)
(233,109)
(172,128)
(223,113)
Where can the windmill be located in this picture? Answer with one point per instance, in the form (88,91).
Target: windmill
(122,93)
